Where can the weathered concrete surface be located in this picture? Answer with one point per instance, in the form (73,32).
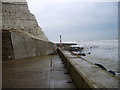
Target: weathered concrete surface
(86,74)
(37,72)
(25,46)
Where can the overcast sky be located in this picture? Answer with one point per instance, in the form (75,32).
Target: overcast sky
(76,21)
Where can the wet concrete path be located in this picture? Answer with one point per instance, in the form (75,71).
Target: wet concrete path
(38,72)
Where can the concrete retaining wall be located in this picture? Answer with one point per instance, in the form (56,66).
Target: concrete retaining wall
(25,46)
(87,75)
(16,46)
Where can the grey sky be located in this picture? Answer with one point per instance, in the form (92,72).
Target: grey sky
(76,21)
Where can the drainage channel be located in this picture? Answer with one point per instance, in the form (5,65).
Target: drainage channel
(59,75)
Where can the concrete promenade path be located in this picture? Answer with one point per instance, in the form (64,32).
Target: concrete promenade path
(38,72)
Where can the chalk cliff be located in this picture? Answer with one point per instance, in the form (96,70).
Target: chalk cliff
(22,37)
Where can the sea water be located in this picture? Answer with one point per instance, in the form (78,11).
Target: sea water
(104,52)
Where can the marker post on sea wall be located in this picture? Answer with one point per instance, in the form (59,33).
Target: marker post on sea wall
(60,42)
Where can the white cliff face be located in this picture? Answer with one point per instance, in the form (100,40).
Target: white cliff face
(0,15)
(17,17)
(21,35)
(13,0)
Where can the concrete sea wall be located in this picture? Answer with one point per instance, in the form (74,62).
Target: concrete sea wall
(85,74)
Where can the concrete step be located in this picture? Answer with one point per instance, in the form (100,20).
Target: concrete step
(7,50)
